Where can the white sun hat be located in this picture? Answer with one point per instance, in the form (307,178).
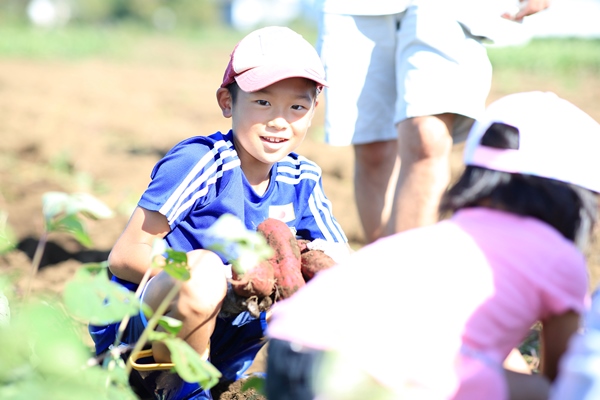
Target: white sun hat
(557,140)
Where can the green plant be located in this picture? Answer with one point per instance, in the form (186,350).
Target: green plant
(7,235)
(549,56)
(44,354)
(62,213)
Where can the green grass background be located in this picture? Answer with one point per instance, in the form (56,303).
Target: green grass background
(553,57)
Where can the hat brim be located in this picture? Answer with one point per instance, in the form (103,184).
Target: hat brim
(260,77)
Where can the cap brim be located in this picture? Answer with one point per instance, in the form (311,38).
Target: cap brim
(260,77)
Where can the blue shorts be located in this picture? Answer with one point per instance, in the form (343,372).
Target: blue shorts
(233,344)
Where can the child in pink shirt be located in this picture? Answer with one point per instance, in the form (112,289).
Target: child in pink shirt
(431,313)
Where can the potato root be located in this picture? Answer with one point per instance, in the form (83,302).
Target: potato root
(286,257)
(313,261)
(258,281)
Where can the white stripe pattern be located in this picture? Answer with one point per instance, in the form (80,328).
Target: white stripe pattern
(318,204)
(179,201)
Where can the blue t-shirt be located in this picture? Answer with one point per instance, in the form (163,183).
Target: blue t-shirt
(200,179)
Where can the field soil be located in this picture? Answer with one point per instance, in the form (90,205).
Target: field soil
(99,126)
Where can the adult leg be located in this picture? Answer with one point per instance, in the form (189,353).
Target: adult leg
(360,105)
(424,145)
(197,304)
(375,174)
(443,79)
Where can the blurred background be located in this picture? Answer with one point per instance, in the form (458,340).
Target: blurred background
(94,92)
(164,15)
(565,17)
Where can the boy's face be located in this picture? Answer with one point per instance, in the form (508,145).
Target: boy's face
(270,123)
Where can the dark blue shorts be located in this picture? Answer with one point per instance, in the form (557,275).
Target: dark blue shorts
(233,344)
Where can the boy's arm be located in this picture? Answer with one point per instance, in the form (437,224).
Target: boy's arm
(130,256)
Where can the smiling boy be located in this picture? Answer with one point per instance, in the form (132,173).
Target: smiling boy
(269,91)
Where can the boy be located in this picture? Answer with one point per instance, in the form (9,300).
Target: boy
(269,91)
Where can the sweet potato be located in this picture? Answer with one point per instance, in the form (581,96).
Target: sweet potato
(258,281)
(303,245)
(286,257)
(314,261)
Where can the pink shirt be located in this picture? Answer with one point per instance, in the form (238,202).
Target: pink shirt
(438,306)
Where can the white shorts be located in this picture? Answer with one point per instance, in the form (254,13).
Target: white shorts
(384,69)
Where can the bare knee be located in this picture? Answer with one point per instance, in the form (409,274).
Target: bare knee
(197,303)
(423,138)
(199,296)
(202,295)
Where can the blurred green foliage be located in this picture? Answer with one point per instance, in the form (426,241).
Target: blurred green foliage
(556,55)
(205,12)
(117,29)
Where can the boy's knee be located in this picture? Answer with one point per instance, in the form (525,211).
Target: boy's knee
(204,292)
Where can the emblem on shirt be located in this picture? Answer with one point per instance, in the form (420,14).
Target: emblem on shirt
(283,213)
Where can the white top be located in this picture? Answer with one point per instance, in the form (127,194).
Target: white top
(482,18)
(362,7)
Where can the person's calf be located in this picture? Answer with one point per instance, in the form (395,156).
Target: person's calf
(424,146)
(375,175)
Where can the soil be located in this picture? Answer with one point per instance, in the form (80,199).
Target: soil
(234,391)
(99,126)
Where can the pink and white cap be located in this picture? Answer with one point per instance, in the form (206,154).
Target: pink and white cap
(269,55)
(557,140)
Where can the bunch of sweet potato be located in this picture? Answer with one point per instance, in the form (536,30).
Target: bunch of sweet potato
(291,266)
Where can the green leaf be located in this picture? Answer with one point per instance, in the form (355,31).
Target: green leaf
(57,203)
(73,225)
(174,262)
(63,212)
(88,384)
(176,265)
(114,365)
(177,257)
(159,248)
(4,310)
(147,310)
(156,336)
(190,366)
(41,339)
(54,204)
(94,298)
(255,382)
(169,324)
(89,206)
(243,248)
(8,239)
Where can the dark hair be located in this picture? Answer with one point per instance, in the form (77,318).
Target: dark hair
(233,91)
(564,206)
